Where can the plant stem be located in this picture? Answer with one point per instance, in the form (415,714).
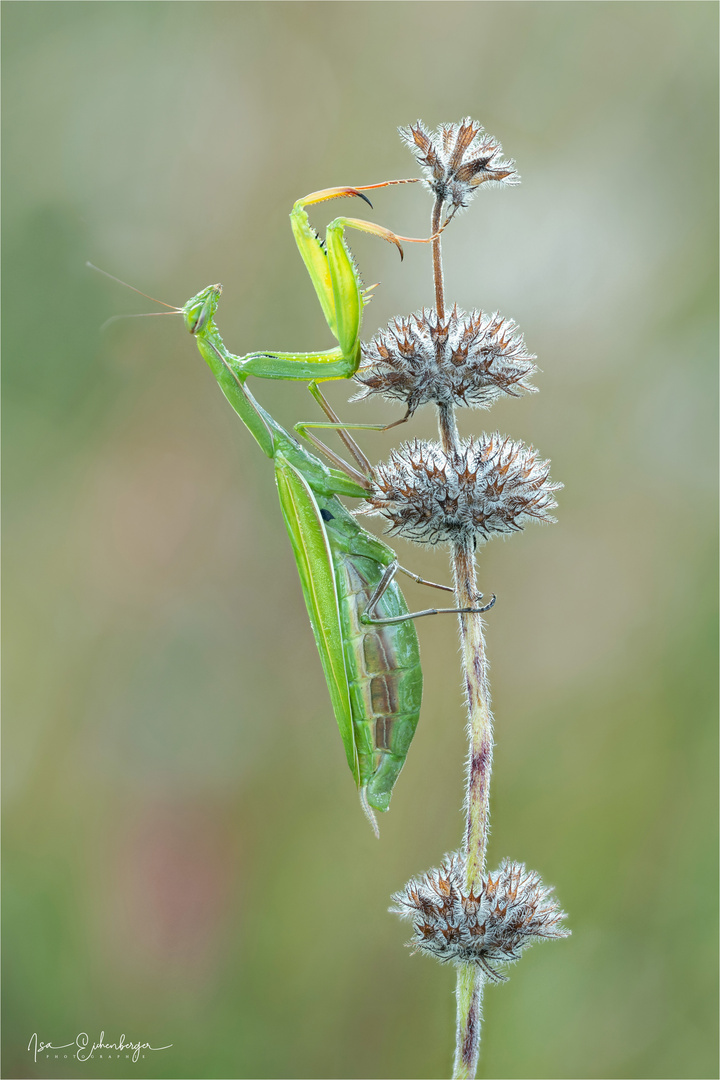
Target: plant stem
(437,259)
(469,1016)
(470,980)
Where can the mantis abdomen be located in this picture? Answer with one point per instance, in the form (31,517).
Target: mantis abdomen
(384,675)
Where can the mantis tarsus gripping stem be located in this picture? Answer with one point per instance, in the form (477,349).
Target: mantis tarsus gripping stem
(387,577)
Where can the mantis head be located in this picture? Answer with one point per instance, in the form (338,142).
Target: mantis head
(199,310)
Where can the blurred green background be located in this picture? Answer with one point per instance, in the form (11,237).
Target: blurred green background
(185,858)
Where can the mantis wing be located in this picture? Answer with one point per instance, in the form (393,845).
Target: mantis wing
(314,562)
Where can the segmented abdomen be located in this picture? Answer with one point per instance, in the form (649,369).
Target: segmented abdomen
(384,675)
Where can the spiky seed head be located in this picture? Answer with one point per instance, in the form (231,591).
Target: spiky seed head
(461,359)
(494,485)
(511,910)
(457,158)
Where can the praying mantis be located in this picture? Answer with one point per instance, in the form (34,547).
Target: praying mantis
(363,630)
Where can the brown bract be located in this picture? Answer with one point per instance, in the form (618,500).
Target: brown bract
(494,485)
(457,158)
(463,359)
(510,911)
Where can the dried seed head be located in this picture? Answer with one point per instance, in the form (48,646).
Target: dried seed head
(463,359)
(457,158)
(511,910)
(494,485)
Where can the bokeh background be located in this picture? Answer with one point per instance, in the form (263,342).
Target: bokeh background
(185,858)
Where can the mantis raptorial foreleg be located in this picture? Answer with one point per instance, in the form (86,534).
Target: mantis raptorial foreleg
(338,288)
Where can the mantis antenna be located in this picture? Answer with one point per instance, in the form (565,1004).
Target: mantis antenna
(174,310)
(134,315)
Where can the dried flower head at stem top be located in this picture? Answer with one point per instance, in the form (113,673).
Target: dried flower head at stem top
(511,910)
(457,158)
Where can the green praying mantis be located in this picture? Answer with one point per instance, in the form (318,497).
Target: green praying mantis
(363,629)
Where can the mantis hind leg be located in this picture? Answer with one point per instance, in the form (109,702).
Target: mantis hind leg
(434,585)
(385,581)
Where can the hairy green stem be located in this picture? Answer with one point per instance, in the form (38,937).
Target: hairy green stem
(469,1018)
(470,980)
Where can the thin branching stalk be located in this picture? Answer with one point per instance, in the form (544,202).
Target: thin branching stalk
(461,492)
(470,980)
